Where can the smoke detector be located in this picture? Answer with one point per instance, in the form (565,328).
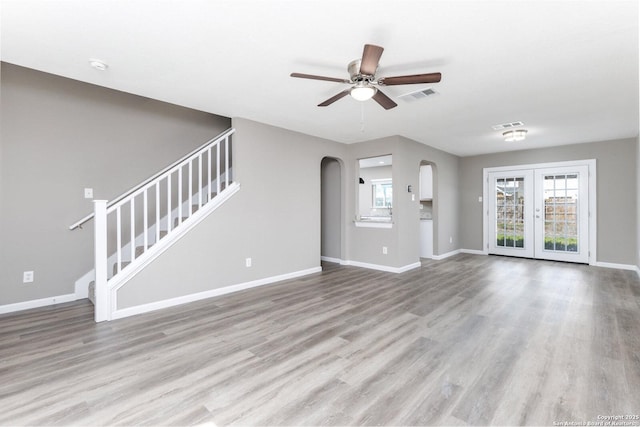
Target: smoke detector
(98,64)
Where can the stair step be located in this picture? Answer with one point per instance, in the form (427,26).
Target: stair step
(92,292)
(122,266)
(140,249)
(194,208)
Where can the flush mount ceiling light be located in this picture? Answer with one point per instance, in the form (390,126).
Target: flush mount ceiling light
(362,91)
(98,64)
(514,135)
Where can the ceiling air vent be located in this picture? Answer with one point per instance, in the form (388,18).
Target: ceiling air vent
(419,94)
(507,125)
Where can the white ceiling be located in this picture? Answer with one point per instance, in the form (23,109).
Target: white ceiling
(567,69)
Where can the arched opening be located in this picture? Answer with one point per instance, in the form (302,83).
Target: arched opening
(331,210)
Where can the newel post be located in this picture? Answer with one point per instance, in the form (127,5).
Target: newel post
(102,309)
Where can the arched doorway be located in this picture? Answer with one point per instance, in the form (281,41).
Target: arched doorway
(331,210)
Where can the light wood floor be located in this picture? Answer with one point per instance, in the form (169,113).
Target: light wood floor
(469,340)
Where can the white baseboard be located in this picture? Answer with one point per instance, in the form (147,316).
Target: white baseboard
(447,255)
(618,266)
(473,252)
(36,303)
(145,308)
(386,268)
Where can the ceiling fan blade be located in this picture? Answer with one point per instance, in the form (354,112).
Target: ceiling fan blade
(370,58)
(410,80)
(312,77)
(382,99)
(334,98)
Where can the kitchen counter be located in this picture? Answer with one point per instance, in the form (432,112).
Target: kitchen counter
(374,222)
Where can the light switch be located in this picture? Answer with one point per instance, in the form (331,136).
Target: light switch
(27,277)
(88,193)
(480,199)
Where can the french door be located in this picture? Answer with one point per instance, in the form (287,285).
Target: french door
(540,213)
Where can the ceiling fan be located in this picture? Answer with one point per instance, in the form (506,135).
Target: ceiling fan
(362,74)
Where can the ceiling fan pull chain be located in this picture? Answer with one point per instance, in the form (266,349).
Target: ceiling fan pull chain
(362,117)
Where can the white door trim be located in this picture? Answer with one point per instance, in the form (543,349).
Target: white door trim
(593,220)
(527,251)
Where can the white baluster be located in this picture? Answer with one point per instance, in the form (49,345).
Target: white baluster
(169,203)
(157,211)
(209,173)
(218,167)
(180,171)
(199,180)
(190,185)
(145,222)
(118,240)
(226,162)
(133,228)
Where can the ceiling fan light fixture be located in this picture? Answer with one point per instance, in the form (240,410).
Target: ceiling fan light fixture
(514,135)
(362,92)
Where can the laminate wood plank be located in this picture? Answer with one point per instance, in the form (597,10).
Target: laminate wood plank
(463,341)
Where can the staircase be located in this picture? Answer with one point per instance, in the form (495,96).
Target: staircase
(136,227)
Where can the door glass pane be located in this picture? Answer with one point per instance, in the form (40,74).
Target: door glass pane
(561,213)
(509,196)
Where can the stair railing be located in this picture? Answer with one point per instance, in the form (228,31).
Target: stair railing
(151,211)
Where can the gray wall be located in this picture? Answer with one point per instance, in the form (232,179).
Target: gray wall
(331,208)
(638,201)
(446,197)
(274,219)
(403,240)
(59,136)
(616,192)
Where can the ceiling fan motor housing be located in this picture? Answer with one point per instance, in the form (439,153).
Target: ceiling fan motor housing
(354,71)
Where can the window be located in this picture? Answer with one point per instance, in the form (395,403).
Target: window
(382,193)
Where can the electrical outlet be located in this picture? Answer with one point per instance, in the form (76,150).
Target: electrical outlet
(450,239)
(479,199)
(384,250)
(247,262)
(88,193)
(27,277)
